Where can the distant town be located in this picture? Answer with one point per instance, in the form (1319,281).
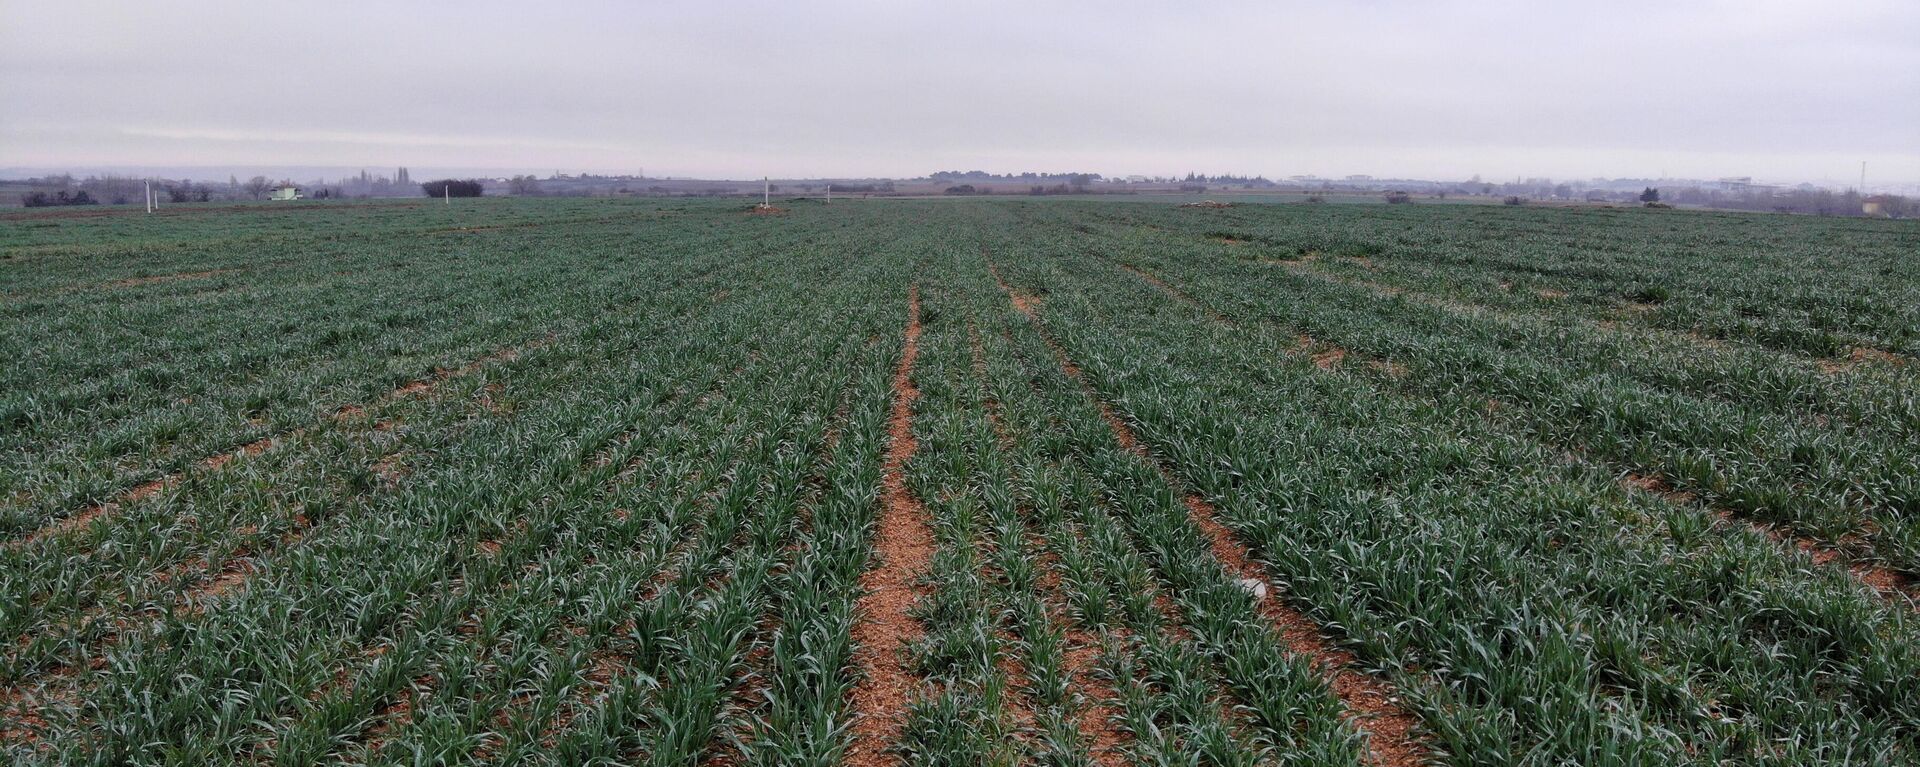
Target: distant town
(1732,193)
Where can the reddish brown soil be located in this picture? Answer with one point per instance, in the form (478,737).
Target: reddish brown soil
(598,678)
(396,715)
(234,574)
(23,707)
(1373,707)
(1329,357)
(70,524)
(1860,356)
(766,210)
(903,547)
(1106,744)
(1389,368)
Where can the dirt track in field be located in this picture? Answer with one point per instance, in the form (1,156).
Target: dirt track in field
(1372,705)
(903,547)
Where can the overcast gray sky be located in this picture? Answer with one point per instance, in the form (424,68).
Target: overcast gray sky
(1778,90)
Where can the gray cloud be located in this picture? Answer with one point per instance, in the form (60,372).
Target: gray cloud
(1785,90)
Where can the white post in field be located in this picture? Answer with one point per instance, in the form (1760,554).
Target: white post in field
(149,195)
(766,192)
(829,192)
(448,192)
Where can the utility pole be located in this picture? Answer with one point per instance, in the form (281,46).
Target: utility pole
(1863,178)
(766,192)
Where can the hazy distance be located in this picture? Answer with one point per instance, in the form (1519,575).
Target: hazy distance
(1786,91)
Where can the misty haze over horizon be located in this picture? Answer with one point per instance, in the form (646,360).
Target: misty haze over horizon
(1780,91)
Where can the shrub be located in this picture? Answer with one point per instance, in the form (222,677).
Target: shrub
(1651,294)
(452,187)
(1514,200)
(1398,198)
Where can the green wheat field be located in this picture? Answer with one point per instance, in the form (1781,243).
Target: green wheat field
(957,482)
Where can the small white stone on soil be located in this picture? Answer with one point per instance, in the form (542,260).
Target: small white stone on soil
(1254,586)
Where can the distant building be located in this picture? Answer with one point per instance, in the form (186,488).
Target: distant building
(1359,177)
(1876,205)
(285,192)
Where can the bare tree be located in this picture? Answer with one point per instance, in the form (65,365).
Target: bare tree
(257,186)
(523,186)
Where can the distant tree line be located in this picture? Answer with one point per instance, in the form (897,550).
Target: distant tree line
(524,185)
(1227,178)
(981,175)
(62,197)
(453,187)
